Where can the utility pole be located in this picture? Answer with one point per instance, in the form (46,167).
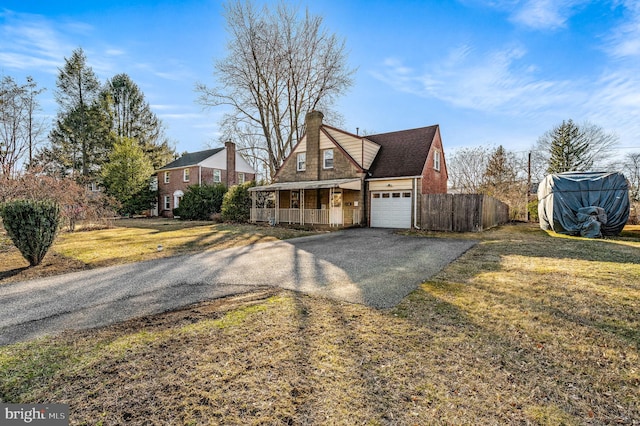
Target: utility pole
(528,186)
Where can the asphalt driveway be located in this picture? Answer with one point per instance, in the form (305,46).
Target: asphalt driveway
(375,267)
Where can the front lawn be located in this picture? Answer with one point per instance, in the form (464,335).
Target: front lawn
(525,328)
(131,240)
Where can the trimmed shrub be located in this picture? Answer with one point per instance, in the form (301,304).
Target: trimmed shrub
(32,226)
(200,202)
(236,206)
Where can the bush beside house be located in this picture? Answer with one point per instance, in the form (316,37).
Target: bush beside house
(236,206)
(201,202)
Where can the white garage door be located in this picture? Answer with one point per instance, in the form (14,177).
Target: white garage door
(391,209)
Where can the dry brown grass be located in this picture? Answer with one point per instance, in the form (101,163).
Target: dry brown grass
(525,328)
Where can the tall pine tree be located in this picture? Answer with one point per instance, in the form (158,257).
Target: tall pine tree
(133,118)
(80,139)
(500,174)
(569,149)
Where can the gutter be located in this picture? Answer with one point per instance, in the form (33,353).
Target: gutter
(394,178)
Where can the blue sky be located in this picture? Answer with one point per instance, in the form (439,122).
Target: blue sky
(490,72)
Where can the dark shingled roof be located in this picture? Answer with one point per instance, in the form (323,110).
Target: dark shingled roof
(402,153)
(191,158)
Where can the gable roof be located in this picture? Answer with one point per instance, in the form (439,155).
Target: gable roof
(402,153)
(191,158)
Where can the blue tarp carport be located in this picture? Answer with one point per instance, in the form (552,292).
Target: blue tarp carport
(590,204)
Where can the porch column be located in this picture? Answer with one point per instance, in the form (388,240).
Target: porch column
(253,206)
(277,212)
(330,206)
(302,207)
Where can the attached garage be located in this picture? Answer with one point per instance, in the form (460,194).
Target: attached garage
(391,209)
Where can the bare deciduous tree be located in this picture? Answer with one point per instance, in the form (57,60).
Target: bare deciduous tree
(466,169)
(631,169)
(278,68)
(20,129)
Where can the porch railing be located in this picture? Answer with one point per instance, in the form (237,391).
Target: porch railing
(316,216)
(293,216)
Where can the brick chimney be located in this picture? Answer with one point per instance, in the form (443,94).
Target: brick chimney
(313,121)
(230,148)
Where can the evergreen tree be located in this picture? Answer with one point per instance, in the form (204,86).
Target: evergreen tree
(569,149)
(81,136)
(500,173)
(133,118)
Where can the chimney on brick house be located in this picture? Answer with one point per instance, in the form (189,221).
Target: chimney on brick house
(313,121)
(230,147)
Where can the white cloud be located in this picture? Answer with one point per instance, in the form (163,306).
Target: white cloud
(114,52)
(536,14)
(543,14)
(29,41)
(491,82)
(624,40)
(501,86)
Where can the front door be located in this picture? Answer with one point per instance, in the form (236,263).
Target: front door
(336,208)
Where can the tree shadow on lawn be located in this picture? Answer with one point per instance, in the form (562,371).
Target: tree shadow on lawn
(524,359)
(12,272)
(562,342)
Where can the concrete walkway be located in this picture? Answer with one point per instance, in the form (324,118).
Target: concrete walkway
(374,267)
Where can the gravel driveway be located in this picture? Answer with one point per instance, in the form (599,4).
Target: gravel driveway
(374,267)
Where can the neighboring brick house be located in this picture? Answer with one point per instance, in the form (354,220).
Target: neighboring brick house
(337,178)
(218,165)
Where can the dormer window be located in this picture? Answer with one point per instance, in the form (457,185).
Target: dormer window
(301,161)
(327,156)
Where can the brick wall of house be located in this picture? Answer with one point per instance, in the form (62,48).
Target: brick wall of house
(433,181)
(176,182)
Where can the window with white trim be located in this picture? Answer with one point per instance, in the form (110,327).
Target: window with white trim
(301,161)
(217,176)
(327,156)
(185,175)
(167,202)
(240,178)
(436,160)
(166,177)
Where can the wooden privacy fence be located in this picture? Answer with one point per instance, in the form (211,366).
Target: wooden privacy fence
(462,212)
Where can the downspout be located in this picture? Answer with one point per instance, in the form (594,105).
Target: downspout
(365,201)
(415,203)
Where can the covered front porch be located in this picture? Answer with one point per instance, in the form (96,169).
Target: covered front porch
(334,202)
